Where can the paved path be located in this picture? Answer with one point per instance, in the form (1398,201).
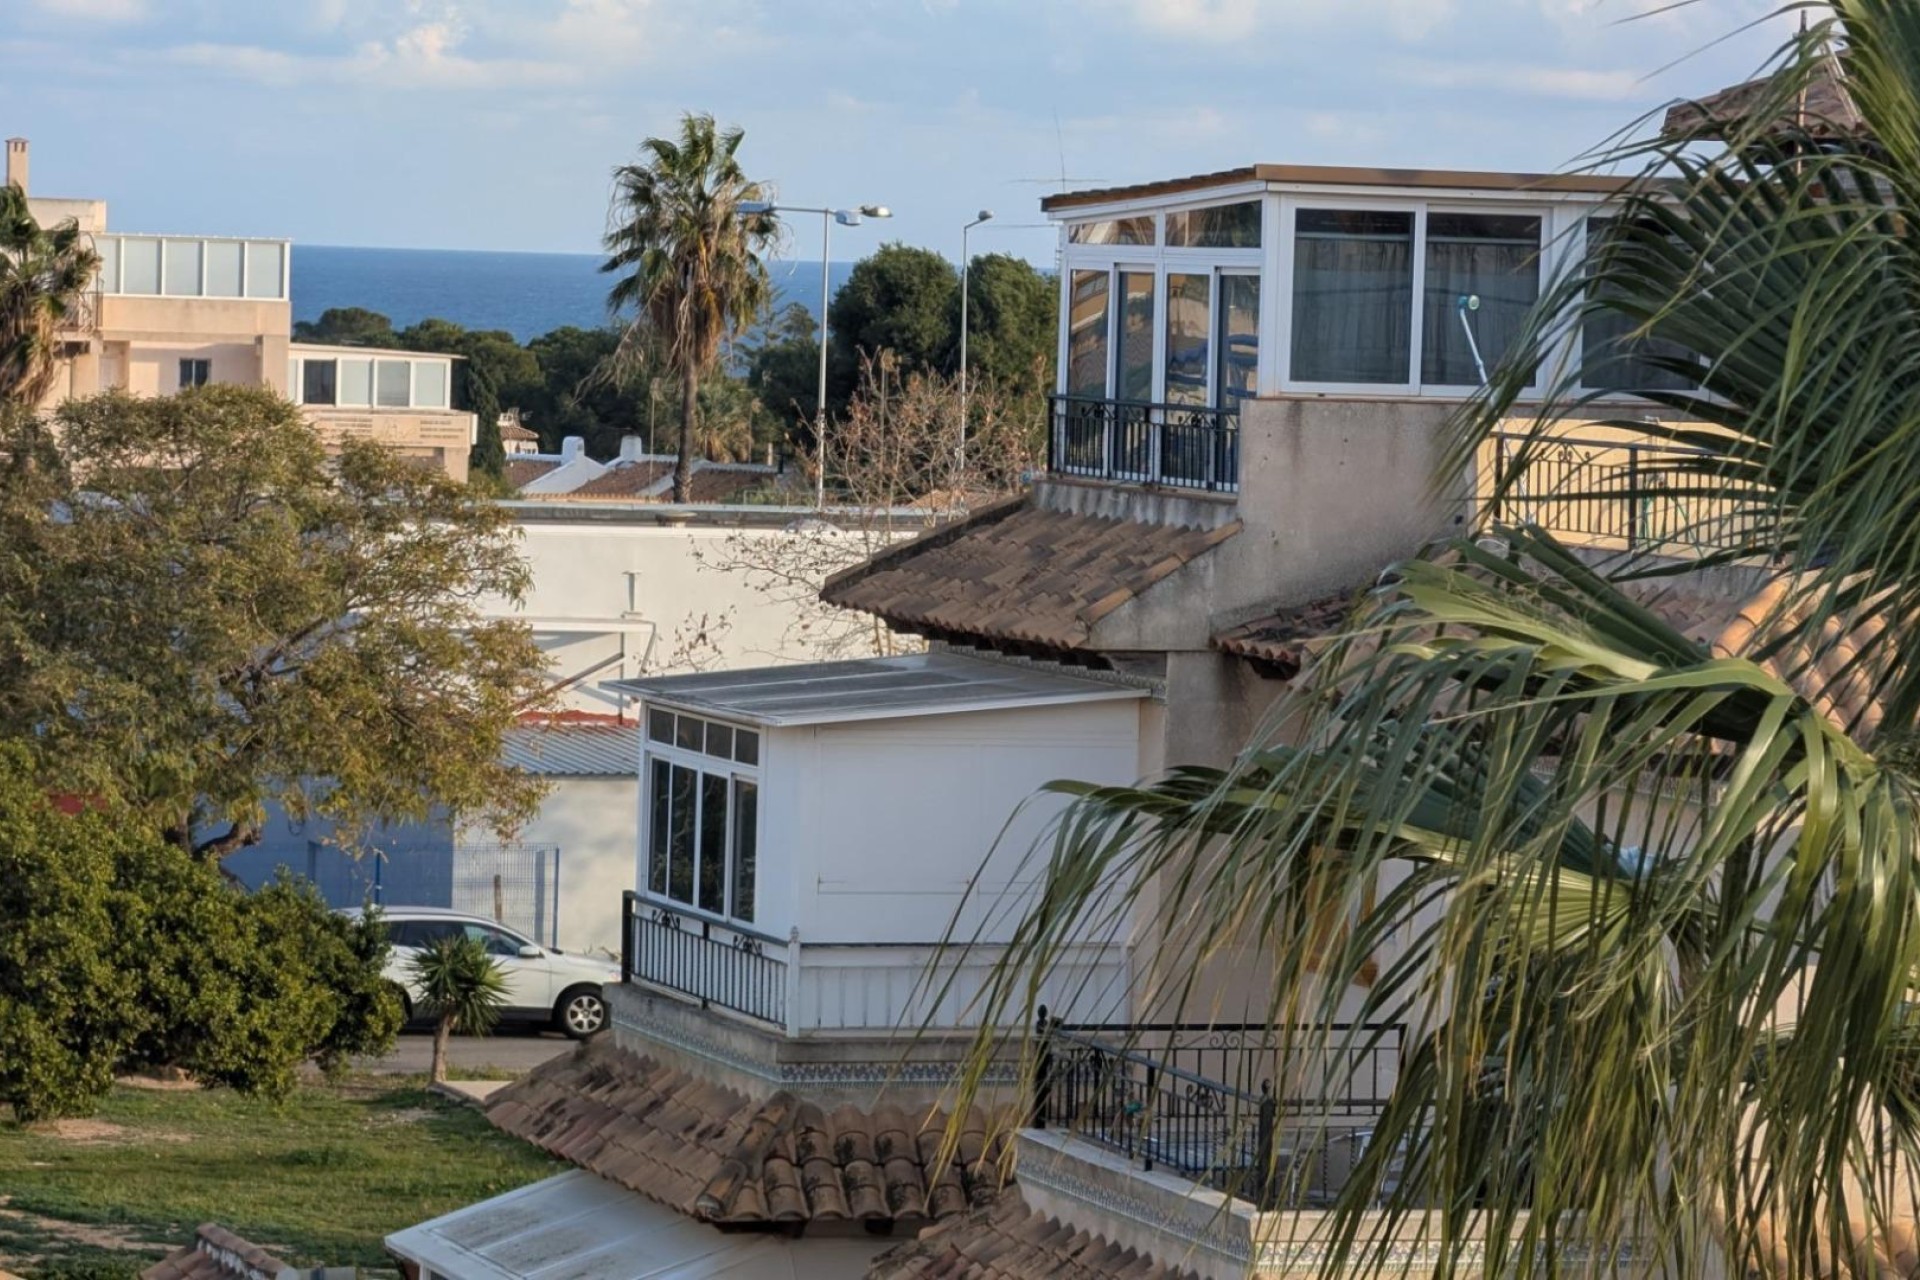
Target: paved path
(512,1049)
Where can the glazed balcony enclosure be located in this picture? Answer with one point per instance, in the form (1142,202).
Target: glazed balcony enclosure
(838,848)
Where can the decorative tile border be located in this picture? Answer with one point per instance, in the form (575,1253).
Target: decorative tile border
(1194,1225)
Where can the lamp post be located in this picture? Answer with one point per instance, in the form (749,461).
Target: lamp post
(966,267)
(846,218)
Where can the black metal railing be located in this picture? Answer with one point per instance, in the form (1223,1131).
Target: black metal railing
(1199,1100)
(1633,495)
(1179,446)
(719,964)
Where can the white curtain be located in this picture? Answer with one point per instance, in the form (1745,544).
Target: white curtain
(1352,297)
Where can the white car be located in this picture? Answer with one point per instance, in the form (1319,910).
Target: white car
(544,984)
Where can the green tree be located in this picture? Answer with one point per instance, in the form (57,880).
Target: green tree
(119,951)
(44,275)
(688,260)
(348,327)
(1653,909)
(200,612)
(1013,316)
(585,391)
(900,299)
(783,370)
(461,989)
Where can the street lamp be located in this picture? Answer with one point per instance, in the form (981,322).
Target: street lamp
(966,265)
(846,218)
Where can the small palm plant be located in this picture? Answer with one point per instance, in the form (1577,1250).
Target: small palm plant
(461,988)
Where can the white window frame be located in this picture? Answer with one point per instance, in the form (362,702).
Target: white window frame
(1547,258)
(702,763)
(413,384)
(1416,336)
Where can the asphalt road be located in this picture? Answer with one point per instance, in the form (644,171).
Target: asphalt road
(512,1049)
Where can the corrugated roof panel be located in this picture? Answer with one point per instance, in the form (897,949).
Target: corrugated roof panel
(575,750)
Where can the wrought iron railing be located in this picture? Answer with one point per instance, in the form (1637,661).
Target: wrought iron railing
(1199,1100)
(1179,446)
(1623,494)
(716,963)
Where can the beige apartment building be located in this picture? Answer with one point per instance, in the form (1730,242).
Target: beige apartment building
(169,312)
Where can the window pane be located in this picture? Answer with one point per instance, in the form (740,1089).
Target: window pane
(264,269)
(356,382)
(496,942)
(720,740)
(1087,335)
(223,268)
(108,247)
(1230,226)
(140,272)
(430,384)
(1134,376)
(680,840)
(660,796)
(746,746)
(1612,359)
(1352,296)
(746,840)
(1188,304)
(659,725)
(713,843)
(1137,230)
(183,269)
(1483,274)
(687,734)
(1239,339)
(317,382)
(393,384)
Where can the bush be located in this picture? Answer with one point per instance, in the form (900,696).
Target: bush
(120,950)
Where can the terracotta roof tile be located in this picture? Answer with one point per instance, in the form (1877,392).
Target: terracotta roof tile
(625,480)
(1012,571)
(524,471)
(1822,108)
(514,431)
(1009,1241)
(216,1254)
(717,1156)
(1284,639)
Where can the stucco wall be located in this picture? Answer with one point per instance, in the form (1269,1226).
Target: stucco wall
(593,821)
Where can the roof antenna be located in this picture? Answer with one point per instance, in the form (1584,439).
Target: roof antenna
(1060,137)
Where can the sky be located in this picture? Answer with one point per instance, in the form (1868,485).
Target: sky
(494,124)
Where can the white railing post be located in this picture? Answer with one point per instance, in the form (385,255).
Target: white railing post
(793,982)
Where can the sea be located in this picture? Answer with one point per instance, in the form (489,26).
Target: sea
(527,294)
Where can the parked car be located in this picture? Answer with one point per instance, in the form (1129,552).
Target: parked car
(544,984)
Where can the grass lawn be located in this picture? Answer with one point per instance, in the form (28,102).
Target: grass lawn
(318,1179)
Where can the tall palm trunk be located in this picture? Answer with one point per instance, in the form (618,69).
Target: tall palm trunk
(689,424)
(442,1043)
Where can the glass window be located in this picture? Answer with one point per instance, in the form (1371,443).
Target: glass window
(497,941)
(1612,358)
(1239,342)
(684,793)
(182,258)
(1189,318)
(140,265)
(720,740)
(1228,226)
(265,267)
(108,247)
(194,373)
(1352,296)
(356,382)
(659,725)
(746,843)
(317,381)
(1136,230)
(1483,276)
(223,268)
(393,384)
(1087,335)
(659,826)
(430,384)
(713,843)
(688,734)
(1133,374)
(746,746)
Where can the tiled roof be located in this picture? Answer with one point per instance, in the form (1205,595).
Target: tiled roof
(1282,639)
(625,480)
(1009,1241)
(1823,108)
(216,1254)
(521,471)
(514,431)
(725,483)
(569,750)
(1017,572)
(712,1154)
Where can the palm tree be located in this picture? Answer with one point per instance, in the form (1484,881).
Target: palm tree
(461,988)
(44,275)
(1649,907)
(688,258)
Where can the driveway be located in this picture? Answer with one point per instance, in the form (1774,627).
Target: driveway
(511,1049)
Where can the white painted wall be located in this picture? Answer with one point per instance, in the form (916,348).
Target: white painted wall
(592,820)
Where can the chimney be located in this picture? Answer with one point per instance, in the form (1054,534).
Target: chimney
(633,447)
(17,163)
(572,447)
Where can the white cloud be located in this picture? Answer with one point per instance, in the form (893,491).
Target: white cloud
(424,56)
(1222,21)
(94,10)
(1577,84)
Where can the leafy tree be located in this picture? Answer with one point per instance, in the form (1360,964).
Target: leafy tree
(688,260)
(1013,313)
(119,951)
(585,391)
(783,369)
(461,989)
(44,275)
(200,611)
(900,299)
(348,327)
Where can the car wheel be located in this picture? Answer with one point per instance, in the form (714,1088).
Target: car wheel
(581,1012)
